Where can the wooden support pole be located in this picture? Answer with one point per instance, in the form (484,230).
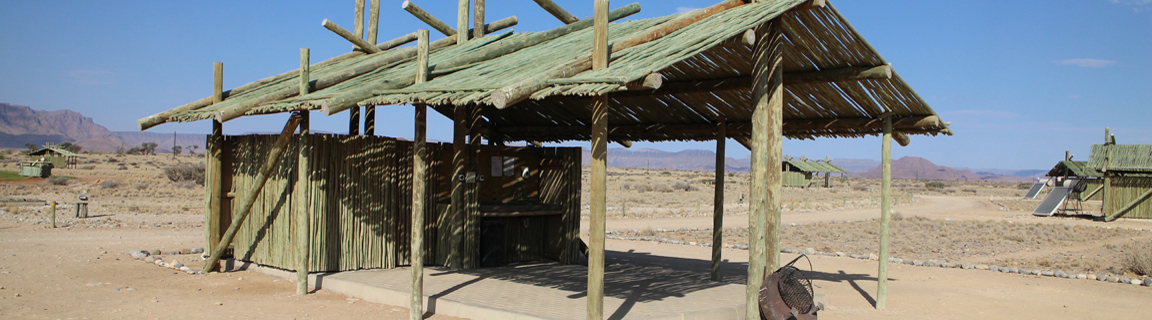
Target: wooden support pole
(557,11)
(478,19)
(343,33)
(354,121)
(885,213)
(249,196)
(370,120)
(428,18)
(459,161)
(214,170)
(303,187)
(766,142)
(1107,175)
(718,201)
(419,166)
(358,26)
(462,21)
(598,198)
(374,22)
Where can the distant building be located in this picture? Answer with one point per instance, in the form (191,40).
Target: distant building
(1127,183)
(800,173)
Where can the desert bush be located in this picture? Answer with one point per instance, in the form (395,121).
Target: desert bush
(192,172)
(860,188)
(934,185)
(1024,186)
(896,216)
(970,190)
(1138,258)
(644,188)
(663,188)
(110,184)
(121,167)
(191,184)
(683,186)
(141,187)
(665,173)
(58,181)
(111,160)
(87,167)
(626,186)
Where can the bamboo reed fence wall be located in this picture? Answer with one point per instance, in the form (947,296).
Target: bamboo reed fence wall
(1124,190)
(795,179)
(360,204)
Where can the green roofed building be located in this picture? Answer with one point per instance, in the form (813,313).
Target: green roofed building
(1127,172)
(799,173)
(1079,170)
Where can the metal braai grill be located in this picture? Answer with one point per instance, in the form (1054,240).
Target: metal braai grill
(795,289)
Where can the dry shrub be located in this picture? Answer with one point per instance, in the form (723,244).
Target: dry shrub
(87,167)
(13,209)
(191,172)
(58,181)
(934,185)
(110,184)
(663,188)
(683,186)
(1138,257)
(644,188)
(1024,186)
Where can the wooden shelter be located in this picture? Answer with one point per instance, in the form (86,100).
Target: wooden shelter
(1127,171)
(1078,170)
(57,156)
(800,173)
(753,71)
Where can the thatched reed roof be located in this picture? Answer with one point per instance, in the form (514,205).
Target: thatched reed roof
(1130,158)
(1074,169)
(813,166)
(705,68)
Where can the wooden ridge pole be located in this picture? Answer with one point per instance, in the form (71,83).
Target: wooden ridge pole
(462,21)
(215,170)
(598,198)
(249,197)
(418,189)
(303,189)
(355,40)
(885,213)
(718,201)
(477,19)
(767,129)
(491,51)
(511,94)
(428,18)
(557,11)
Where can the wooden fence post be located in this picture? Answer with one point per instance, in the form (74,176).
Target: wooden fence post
(214,168)
(885,212)
(303,188)
(718,202)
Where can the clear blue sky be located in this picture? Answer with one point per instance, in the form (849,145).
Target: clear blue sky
(1021,81)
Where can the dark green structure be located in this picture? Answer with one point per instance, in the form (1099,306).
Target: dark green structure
(799,173)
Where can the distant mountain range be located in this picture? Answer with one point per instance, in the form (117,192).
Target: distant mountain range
(20,125)
(704,160)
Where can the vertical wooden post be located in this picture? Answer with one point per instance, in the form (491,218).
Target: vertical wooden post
(462,22)
(885,212)
(459,161)
(373,21)
(767,125)
(354,112)
(419,165)
(370,120)
(598,178)
(1107,175)
(303,188)
(215,170)
(53,214)
(718,202)
(478,19)
(354,121)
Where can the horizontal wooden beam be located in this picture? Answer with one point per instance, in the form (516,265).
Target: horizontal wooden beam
(557,11)
(745,82)
(736,129)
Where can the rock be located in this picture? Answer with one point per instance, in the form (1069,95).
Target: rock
(185,251)
(898,260)
(172,252)
(1091,277)
(1081,276)
(1035,272)
(839,254)
(159,262)
(185,268)
(967,266)
(810,250)
(198,250)
(150,259)
(786,250)
(929,263)
(155,252)
(917,263)
(1147,282)
(982,267)
(1101,278)
(1125,280)
(993,268)
(177,265)
(1060,274)
(1113,279)
(1048,273)
(873,257)
(1013,270)
(138,254)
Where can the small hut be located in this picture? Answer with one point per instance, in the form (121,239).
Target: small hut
(57,156)
(1127,179)
(1078,171)
(800,173)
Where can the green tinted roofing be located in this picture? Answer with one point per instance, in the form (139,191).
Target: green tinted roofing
(1073,169)
(46,150)
(814,166)
(1124,158)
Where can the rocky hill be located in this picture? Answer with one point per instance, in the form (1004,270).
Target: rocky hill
(21,124)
